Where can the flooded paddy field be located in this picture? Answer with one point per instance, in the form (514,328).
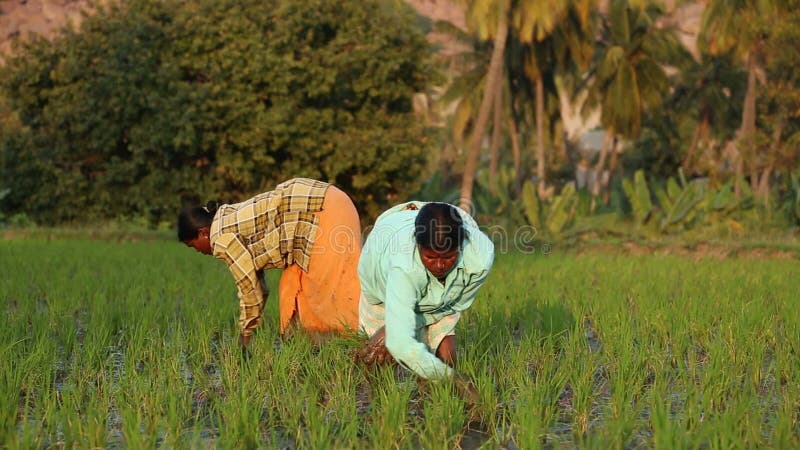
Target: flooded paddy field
(134,345)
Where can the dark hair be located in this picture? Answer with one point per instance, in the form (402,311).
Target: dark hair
(439,227)
(191,219)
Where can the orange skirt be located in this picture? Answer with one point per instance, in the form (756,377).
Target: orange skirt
(325,299)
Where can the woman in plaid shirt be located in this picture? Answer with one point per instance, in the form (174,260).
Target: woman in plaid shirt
(308,228)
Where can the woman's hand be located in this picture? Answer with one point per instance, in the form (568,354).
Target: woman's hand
(374,352)
(466,389)
(243,341)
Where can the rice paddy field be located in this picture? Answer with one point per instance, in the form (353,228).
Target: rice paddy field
(134,345)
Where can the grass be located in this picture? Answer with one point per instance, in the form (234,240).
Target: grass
(134,344)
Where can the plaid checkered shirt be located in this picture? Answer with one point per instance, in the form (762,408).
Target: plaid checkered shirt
(269,231)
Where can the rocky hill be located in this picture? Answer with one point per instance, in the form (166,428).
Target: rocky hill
(21,18)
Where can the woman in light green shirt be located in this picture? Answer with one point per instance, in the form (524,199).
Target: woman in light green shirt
(420,267)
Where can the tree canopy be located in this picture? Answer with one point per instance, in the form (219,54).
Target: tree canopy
(155,104)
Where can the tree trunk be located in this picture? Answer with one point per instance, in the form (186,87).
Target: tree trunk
(601,162)
(497,128)
(698,131)
(754,176)
(494,76)
(541,173)
(762,189)
(560,144)
(517,153)
(763,186)
(716,151)
(447,158)
(748,127)
(599,167)
(612,166)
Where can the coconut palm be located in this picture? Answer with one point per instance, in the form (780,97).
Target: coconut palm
(558,37)
(706,89)
(532,23)
(490,17)
(780,109)
(741,26)
(628,77)
(466,90)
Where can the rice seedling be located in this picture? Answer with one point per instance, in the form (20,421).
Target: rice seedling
(135,345)
(387,420)
(443,417)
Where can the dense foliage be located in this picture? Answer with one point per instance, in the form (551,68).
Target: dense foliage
(156,104)
(163,102)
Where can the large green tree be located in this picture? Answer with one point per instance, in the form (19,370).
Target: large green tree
(153,104)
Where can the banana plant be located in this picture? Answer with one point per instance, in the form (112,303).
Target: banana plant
(562,210)
(682,212)
(498,205)
(639,196)
(681,204)
(554,218)
(531,205)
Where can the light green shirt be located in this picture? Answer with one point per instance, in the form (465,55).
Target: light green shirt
(391,272)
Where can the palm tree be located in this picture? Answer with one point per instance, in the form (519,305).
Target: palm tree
(557,36)
(629,76)
(741,26)
(706,90)
(466,90)
(496,12)
(532,23)
(781,106)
